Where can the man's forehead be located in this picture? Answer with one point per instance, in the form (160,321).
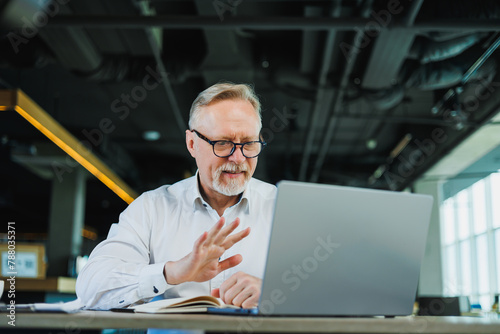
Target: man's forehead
(228,104)
(229,132)
(239,115)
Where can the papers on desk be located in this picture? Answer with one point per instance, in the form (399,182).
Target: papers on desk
(69,307)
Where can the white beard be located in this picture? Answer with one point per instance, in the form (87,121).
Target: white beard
(234,187)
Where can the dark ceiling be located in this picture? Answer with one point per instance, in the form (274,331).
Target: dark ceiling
(358,93)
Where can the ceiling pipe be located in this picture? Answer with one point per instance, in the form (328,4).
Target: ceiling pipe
(266,23)
(351,60)
(324,96)
(380,77)
(466,77)
(481,60)
(182,125)
(415,6)
(389,52)
(407,22)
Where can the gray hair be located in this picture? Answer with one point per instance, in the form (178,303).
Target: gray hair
(220,92)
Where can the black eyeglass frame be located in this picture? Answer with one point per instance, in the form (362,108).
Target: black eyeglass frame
(213,142)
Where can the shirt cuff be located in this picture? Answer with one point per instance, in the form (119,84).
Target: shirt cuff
(151,281)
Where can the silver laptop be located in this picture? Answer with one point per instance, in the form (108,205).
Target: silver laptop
(343,251)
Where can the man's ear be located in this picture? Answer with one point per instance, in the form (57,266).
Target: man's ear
(190,143)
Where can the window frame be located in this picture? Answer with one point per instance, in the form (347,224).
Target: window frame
(455,246)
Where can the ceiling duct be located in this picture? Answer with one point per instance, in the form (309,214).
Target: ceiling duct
(450,46)
(76,52)
(426,51)
(71,46)
(447,73)
(114,69)
(228,55)
(384,99)
(442,56)
(430,76)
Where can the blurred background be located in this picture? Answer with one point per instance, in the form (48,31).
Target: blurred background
(384,94)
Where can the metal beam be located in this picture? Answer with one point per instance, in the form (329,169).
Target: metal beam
(310,41)
(266,23)
(394,40)
(334,120)
(324,97)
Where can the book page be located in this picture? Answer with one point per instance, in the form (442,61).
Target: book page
(166,305)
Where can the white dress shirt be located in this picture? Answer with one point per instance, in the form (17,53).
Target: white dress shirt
(162,225)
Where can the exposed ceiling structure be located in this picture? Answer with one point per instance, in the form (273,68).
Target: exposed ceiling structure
(367,93)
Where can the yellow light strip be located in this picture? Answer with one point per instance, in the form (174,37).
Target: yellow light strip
(34,114)
(89,233)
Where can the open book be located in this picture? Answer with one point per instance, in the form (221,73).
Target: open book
(182,305)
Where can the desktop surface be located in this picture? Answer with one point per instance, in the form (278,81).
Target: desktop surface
(237,324)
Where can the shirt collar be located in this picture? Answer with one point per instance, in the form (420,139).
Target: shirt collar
(199,202)
(195,194)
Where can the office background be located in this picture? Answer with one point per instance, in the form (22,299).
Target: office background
(385,94)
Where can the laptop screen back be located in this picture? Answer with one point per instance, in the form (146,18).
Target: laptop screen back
(344,251)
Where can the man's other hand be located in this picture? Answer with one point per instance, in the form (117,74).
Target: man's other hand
(240,289)
(202,264)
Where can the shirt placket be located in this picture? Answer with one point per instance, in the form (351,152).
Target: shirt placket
(217,281)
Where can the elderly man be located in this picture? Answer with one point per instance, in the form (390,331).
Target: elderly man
(207,234)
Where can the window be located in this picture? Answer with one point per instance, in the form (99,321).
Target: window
(470,240)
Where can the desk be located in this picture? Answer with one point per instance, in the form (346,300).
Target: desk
(240,324)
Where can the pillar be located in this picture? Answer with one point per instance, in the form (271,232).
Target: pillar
(67,210)
(431,273)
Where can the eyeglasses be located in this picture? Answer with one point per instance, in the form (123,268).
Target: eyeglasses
(225,148)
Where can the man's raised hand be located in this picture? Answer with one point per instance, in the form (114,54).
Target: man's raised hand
(202,264)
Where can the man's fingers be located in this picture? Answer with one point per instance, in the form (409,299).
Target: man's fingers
(244,299)
(227,231)
(230,262)
(214,231)
(251,301)
(231,240)
(215,293)
(235,292)
(241,290)
(200,240)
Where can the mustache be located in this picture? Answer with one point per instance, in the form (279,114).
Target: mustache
(232,168)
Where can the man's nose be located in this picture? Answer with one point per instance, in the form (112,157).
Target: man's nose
(237,156)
